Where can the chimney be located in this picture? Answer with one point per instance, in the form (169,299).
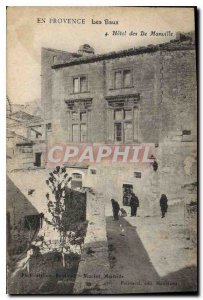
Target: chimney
(86,50)
(182,36)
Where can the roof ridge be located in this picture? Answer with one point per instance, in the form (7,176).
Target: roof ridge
(171,45)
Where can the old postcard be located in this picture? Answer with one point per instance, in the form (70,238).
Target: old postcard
(101,150)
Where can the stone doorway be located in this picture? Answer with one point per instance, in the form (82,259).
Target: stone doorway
(38,162)
(127,192)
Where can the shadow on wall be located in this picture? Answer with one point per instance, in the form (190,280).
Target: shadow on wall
(23,221)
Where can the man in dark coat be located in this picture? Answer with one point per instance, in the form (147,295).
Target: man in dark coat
(116,208)
(163,205)
(134,204)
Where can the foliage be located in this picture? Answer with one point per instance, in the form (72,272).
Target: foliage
(57,182)
(62,215)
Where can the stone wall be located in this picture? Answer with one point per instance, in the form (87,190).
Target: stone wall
(18,207)
(146,79)
(63,90)
(178,107)
(48,58)
(177,170)
(94,263)
(164,80)
(176,175)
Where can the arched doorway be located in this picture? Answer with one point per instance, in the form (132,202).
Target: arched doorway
(127,192)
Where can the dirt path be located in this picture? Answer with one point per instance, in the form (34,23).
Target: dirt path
(129,259)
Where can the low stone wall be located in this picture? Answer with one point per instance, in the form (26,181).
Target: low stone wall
(94,263)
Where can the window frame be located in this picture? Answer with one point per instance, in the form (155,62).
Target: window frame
(48,126)
(137,174)
(79,84)
(80,123)
(122,71)
(122,122)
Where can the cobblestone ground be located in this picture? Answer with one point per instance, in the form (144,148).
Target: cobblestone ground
(166,240)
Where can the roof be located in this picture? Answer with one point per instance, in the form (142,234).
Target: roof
(61,51)
(169,46)
(12,134)
(22,116)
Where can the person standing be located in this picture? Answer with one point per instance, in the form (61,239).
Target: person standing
(116,209)
(163,205)
(134,204)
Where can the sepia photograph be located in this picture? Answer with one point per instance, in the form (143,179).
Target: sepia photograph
(101,150)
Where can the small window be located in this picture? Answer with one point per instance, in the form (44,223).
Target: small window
(122,79)
(186,136)
(38,156)
(80,84)
(118,80)
(76,182)
(79,126)
(186,132)
(76,136)
(123,125)
(54,59)
(118,132)
(48,126)
(76,85)
(83,133)
(127,79)
(93,171)
(83,84)
(137,174)
(76,176)
(128,132)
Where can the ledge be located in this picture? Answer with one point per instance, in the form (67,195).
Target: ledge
(123,96)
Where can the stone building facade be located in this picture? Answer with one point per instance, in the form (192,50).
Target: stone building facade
(139,95)
(26,130)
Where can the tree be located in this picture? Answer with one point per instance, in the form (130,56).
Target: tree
(57,182)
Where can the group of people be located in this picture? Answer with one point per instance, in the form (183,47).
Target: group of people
(134,204)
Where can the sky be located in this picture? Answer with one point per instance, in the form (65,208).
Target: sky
(25,37)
